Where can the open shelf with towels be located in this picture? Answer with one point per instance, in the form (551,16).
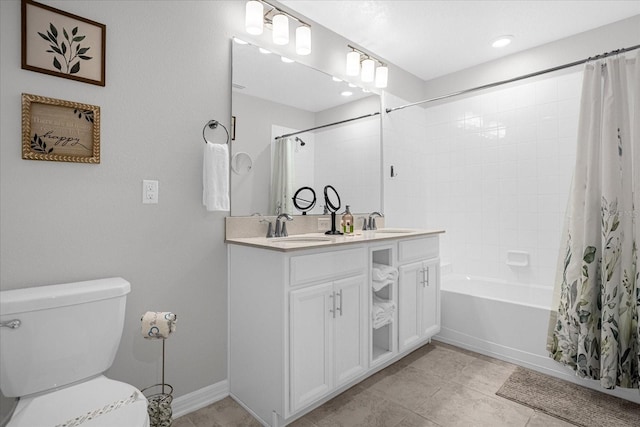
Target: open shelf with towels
(384,303)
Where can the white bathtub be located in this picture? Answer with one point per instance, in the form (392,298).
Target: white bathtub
(508,321)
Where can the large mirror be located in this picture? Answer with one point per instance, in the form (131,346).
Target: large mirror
(272,99)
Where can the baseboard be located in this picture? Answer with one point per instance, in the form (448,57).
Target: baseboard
(198,399)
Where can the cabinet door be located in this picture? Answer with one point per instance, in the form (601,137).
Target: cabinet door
(311,337)
(430,322)
(409,306)
(349,329)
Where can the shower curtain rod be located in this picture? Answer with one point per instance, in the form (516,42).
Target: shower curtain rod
(328,124)
(515,79)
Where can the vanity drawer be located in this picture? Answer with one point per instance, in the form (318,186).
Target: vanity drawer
(326,266)
(420,248)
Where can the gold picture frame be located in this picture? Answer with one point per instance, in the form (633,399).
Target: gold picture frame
(59,130)
(62,44)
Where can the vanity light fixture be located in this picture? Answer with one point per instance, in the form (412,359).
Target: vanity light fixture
(280,29)
(502,41)
(260,13)
(254,17)
(368,70)
(363,64)
(382,76)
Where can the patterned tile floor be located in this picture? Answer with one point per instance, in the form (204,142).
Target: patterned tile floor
(436,385)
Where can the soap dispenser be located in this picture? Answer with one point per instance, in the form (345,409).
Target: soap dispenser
(347,222)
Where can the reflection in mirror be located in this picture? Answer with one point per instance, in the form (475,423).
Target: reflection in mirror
(272,99)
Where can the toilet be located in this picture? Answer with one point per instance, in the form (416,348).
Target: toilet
(56,342)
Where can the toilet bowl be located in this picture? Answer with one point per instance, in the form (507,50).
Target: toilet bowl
(57,341)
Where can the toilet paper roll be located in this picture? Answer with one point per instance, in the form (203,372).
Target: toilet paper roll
(158,324)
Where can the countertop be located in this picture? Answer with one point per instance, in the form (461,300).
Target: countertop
(319,240)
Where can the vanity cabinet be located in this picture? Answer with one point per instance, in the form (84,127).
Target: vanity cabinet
(327,324)
(418,291)
(300,321)
(418,305)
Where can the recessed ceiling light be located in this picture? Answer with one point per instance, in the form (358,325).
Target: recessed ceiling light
(502,41)
(365,90)
(287,60)
(239,41)
(263,50)
(346,93)
(336,79)
(352,85)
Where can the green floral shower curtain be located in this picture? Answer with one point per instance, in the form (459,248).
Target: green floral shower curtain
(595,329)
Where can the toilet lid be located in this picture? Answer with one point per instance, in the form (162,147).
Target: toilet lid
(120,404)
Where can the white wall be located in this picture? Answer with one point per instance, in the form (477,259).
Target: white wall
(495,171)
(494,168)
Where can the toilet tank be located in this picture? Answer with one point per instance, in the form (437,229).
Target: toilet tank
(67,333)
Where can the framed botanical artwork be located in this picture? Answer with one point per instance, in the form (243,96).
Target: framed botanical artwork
(58,130)
(62,44)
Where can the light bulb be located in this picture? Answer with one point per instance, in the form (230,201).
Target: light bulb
(353,63)
(382,75)
(280,29)
(303,40)
(368,70)
(254,17)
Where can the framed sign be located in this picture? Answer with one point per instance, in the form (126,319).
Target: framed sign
(58,130)
(62,44)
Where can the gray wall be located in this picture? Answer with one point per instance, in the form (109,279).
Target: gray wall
(167,74)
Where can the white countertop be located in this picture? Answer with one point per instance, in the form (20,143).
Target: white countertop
(318,240)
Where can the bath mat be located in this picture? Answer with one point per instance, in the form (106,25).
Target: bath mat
(570,402)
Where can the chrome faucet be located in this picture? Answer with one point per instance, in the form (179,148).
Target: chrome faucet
(281,227)
(269,227)
(372,220)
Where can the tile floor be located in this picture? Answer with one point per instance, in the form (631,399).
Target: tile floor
(436,385)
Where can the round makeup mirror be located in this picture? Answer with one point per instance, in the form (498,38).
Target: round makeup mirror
(332,203)
(304,199)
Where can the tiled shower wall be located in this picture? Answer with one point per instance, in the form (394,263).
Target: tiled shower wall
(493,170)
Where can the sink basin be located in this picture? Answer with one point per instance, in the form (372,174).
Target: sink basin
(394,230)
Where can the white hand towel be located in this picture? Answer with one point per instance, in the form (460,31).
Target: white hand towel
(215,177)
(383,272)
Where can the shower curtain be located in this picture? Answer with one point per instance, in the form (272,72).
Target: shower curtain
(282,176)
(595,329)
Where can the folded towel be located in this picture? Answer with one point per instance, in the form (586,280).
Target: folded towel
(215,177)
(382,311)
(383,272)
(379,284)
(158,324)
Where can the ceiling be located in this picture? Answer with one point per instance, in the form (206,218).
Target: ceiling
(433,38)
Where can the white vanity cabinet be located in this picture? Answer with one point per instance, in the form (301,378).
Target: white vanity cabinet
(300,320)
(327,342)
(418,291)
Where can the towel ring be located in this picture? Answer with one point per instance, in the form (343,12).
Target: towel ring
(213,124)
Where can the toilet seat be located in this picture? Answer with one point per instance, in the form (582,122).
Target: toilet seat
(60,406)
